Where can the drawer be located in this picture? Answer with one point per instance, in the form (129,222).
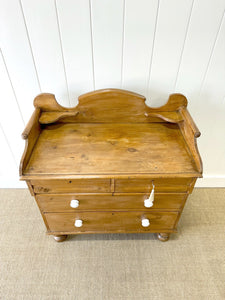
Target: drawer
(61,203)
(145,185)
(97,185)
(97,222)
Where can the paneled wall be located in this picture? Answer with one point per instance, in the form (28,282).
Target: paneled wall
(152,47)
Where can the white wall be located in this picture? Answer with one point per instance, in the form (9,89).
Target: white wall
(69,47)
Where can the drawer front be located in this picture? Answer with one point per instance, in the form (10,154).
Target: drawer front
(61,203)
(145,185)
(71,186)
(110,221)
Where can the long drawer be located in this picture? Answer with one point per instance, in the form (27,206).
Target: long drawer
(110,221)
(65,202)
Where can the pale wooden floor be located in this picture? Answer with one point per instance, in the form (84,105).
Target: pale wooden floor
(189,266)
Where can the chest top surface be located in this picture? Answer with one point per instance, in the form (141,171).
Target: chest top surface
(110,132)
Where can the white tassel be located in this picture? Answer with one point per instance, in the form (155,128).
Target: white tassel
(150,200)
(151,197)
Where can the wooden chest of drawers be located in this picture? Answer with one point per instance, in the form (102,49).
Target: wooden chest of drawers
(92,168)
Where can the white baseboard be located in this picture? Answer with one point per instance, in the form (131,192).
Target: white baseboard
(211,181)
(206,181)
(11,183)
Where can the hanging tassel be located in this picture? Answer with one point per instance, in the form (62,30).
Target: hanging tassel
(150,200)
(151,197)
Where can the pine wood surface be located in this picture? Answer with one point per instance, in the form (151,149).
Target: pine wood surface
(72,185)
(145,184)
(110,149)
(107,152)
(61,203)
(113,221)
(103,185)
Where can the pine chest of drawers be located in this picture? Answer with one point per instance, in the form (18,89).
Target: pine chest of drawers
(111,164)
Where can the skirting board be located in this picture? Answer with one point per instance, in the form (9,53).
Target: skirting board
(206,181)
(7,182)
(211,181)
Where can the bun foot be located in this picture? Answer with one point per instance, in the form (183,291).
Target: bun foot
(163,237)
(60,238)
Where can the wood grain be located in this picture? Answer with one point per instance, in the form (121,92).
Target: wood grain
(70,186)
(145,185)
(52,117)
(168,116)
(106,153)
(61,203)
(110,221)
(110,149)
(113,105)
(31,135)
(190,132)
(47,102)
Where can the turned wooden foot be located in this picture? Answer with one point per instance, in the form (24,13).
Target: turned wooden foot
(60,238)
(163,237)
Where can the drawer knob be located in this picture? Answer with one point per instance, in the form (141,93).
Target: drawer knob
(74,203)
(78,223)
(148,203)
(145,222)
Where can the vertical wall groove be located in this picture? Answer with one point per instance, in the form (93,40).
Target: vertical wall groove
(8,144)
(182,51)
(123,37)
(61,47)
(211,54)
(29,42)
(13,90)
(92,46)
(152,53)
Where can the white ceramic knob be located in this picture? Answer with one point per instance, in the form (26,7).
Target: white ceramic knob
(145,222)
(78,223)
(148,203)
(74,203)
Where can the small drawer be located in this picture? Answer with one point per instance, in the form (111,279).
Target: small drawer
(97,185)
(145,185)
(76,202)
(102,222)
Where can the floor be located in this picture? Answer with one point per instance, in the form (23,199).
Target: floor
(191,265)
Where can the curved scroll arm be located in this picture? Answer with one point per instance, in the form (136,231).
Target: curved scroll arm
(171,117)
(52,117)
(47,102)
(169,112)
(174,103)
(51,110)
